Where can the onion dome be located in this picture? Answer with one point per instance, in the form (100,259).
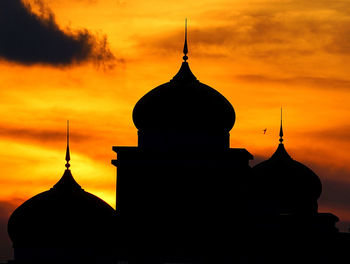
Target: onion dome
(286,186)
(183,104)
(65,216)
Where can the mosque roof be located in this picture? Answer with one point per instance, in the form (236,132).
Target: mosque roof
(64,216)
(184,103)
(286,180)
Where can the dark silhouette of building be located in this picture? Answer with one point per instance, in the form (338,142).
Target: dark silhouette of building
(285,186)
(184,196)
(63,225)
(287,225)
(179,179)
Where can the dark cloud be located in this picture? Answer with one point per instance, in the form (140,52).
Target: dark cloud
(53,139)
(255,33)
(336,186)
(310,81)
(29,38)
(283,31)
(221,40)
(336,193)
(335,190)
(340,43)
(39,135)
(337,133)
(6,208)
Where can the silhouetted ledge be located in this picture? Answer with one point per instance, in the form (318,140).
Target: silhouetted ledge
(131,153)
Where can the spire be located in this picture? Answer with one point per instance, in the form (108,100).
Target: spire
(67,181)
(281,130)
(185,50)
(67,151)
(185,74)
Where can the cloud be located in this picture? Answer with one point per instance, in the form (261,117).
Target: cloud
(29,38)
(336,193)
(338,133)
(55,139)
(247,30)
(310,81)
(39,135)
(335,189)
(6,208)
(340,43)
(288,29)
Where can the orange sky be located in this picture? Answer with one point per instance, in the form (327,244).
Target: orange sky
(260,54)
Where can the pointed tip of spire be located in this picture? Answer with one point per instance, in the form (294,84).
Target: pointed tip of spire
(185,50)
(281,130)
(67,150)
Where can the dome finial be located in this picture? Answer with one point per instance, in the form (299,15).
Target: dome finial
(185,50)
(281,130)
(67,151)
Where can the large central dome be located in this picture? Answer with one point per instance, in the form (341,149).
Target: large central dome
(184,103)
(184,113)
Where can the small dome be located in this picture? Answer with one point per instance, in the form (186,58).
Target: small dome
(184,104)
(64,216)
(286,185)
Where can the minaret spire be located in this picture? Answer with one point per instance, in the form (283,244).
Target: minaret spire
(281,130)
(67,151)
(185,50)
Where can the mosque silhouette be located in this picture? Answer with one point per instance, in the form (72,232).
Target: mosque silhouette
(183,196)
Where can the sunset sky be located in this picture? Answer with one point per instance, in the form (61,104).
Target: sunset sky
(89,61)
